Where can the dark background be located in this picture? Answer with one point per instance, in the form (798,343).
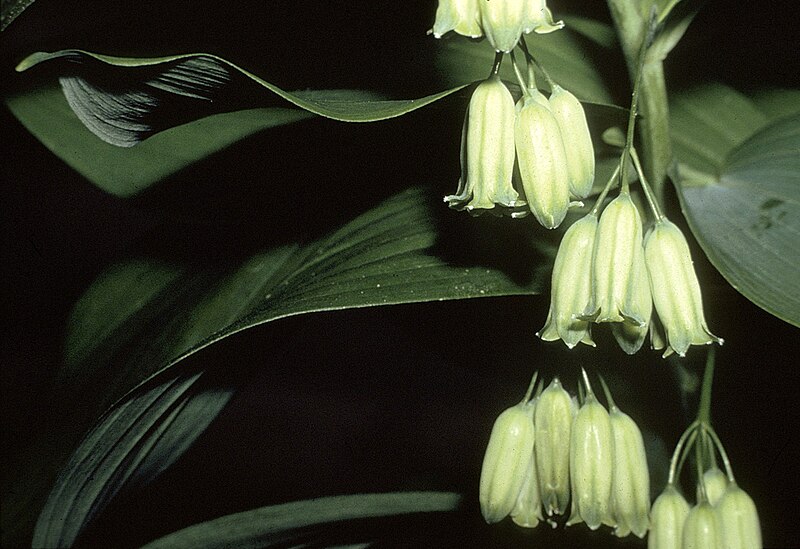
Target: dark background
(383,399)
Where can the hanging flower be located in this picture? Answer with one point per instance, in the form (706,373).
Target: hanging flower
(639,305)
(715,483)
(553,417)
(630,494)
(487,151)
(571,285)
(667,517)
(461,16)
(738,519)
(701,529)
(527,511)
(539,19)
(676,290)
(542,160)
(571,119)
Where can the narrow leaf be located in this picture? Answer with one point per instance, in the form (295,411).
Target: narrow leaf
(739,185)
(10,10)
(255,528)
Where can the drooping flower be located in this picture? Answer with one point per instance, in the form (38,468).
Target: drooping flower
(570,290)
(619,240)
(675,288)
(487,152)
(591,459)
(571,119)
(506,462)
(667,517)
(461,16)
(553,417)
(542,160)
(630,335)
(539,19)
(702,529)
(738,519)
(503,22)
(715,483)
(527,511)
(630,494)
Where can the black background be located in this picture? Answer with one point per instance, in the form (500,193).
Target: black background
(383,399)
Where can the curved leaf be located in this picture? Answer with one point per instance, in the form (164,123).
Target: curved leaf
(10,10)
(130,446)
(739,185)
(257,527)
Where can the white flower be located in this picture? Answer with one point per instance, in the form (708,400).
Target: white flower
(630,494)
(553,417)
(571,118)
(738,519)
(667,517)
(702,530)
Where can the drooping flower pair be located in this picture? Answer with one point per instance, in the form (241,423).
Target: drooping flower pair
(548,137)
(606,272)
(503,22)
(545,452)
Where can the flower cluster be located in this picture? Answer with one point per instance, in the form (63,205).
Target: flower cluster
(724,516)
(548,137)
(503,22)
(548,451)
(607,272)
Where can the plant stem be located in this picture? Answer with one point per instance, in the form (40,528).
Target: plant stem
(498,60)
(520,78)
(603,194)
(648,192)
(532,384)
(704,411)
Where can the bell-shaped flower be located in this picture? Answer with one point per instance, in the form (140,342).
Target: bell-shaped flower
(462,16)
(503,22)
(702,529)
(715,483)
(539,19)
(487,150)
(639,304)
(667,517)
(676,290)
(619,240)
(570,289)
(553,417)
(542,160)
(527,511)
(738,519)
(630,494)
(591,464)
(571,119)
(506,462)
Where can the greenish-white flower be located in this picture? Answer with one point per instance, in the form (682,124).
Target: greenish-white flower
(570,290)
(506,462)
(591,464)
(619,240)
(527,511)
(571,118)
(675,288)
(542,160)
(503,22)
(667,517)
(738,519)
(553,417)
(461,16)
(539,19)
(487,151)
(630,494)
(715,483)
(702,529)
(639,305)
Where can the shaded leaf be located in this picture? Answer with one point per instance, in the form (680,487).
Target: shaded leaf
(739,185)
(129,447)
(257,527)
(10,10)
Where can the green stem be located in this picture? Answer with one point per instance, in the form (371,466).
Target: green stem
(498,60)
(531,385)
(589,392)
(648,192)
(704,411)
(531,62)
(603,194)
(520,78)
(721,449)
(611,404)
(690,432)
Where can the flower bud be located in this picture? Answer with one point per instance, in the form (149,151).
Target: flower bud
(506,463)
(553,417)
(539,19)
(630,494)
(503,22)
(676,291)
(639,304)
(571,119)
(619,239)
(487,150)
(701,530)
(666,520)
(461,16)
(591,459)
(571,285)
(715,483)
(527,511)
(738,519)
(542,160)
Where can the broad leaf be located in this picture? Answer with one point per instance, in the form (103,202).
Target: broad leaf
(130,446)
(739,185)
(142,317)
(263,526)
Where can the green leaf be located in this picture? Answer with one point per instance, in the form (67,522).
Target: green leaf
(178,109)
(739,186)
(130,446)
(10,10)
(563,54)
(258,527)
